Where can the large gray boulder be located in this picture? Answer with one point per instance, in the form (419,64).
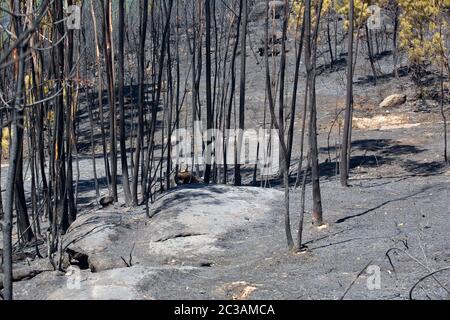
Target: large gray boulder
(118,254)
(185,225)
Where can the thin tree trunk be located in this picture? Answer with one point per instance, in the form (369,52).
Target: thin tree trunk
(444,117)
(109,61)
(330,48)
(141,79)
(232,94)
(287,222)
(294,92)
(239,147)
(282,78)
(100,95)
(24,228)
(209,111)
(370,53)
(122,138)
(165,40)
(310,62)
(395,37)
(60,152)
(70,138)
(13,159)
(94,164)
(346,138)
(302,206)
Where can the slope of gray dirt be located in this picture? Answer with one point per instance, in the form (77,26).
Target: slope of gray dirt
(225,242)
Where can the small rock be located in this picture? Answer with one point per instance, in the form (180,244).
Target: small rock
(186,177)
(106,201)
(239,290)
(393,101)
(205,264)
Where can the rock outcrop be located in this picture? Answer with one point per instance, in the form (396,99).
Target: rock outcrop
(117,254)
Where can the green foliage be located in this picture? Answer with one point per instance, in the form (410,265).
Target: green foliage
(424,27)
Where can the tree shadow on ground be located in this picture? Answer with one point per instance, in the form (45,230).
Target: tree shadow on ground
(381,55)
(382,152)
(337,65)
(382,78)
(424,168)
(85,185)
(403,198)
(382,146)
(374,153)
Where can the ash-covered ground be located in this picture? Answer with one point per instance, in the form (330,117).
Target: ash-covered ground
(224,242)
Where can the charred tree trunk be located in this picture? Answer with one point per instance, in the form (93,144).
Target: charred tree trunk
(310,62)
(123,148)
(24,229)
(209,111)
(14,155)
(346,138)
(395,39)
(109,64)
(59,153)
(240,147)
(70,136)
(232,94)
(100,95)
(287,222)
(370,53)
(282,81)
(294,92)
(141,96)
